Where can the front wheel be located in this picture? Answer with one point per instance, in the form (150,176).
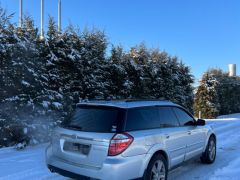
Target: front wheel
(157,168)
(209,155)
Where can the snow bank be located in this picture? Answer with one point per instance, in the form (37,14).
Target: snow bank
(230,116)
(226,117)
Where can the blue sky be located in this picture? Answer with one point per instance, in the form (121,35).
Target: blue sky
(203,33)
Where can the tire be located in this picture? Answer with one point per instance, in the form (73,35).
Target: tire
(157,168)
(209,156)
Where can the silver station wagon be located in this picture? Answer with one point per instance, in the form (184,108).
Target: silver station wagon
(128,139)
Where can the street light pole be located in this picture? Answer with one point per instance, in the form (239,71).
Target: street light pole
(42,20)
(20,13)
(59,16)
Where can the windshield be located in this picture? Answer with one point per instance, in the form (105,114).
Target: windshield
(94,119)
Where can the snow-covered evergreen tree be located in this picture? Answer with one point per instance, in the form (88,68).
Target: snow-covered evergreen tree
(120,85)
(21,83)
(150,73)
(229,94)
(217,94)
(94,62)
(206,97)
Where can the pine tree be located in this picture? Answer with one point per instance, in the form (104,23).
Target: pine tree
(6,42)
(119,84)
(229,94)
(218,94)
(206,98)
(21,83)
(93,58)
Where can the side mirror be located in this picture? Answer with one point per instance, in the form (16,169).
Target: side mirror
(200,122)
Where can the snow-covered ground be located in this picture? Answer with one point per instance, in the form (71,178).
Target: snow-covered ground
(30,163)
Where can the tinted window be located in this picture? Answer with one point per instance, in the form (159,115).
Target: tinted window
(167,117)
(94,119)
(183,117)
(142,118)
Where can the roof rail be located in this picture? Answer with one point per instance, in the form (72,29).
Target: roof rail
(89,100)
(127,100)
(147,99)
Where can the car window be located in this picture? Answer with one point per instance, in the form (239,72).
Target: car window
(167,117)
(93,119)
(142,118)
(184,118)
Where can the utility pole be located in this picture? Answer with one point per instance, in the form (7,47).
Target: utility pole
(42,20)
(20,13)
(59,16)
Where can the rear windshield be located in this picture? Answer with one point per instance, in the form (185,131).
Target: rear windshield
(95,119)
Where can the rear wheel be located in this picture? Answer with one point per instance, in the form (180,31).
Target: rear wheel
(157,168)
(209,155)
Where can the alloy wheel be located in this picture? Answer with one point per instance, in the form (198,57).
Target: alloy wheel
(212,150)
(158,171)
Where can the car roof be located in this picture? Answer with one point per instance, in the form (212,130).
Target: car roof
(128,103)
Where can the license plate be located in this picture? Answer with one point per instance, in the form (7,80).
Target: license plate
(76,147)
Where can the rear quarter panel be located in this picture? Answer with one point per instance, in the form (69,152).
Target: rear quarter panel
(146,142)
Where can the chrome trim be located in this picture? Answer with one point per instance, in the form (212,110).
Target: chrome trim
(74,136)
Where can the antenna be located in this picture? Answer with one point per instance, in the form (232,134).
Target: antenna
(42,20)
(20,13)
(59,16)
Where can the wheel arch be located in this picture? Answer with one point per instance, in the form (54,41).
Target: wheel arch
(214,136)
(210,134)
(159,151)
(162,152)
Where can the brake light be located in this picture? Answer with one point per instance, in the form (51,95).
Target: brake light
(119,143)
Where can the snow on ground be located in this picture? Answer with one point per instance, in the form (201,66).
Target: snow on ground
(24,164)
(30,163)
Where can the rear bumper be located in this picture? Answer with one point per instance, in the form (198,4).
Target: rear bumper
(114,168)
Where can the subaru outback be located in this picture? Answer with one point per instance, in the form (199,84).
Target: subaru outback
(128,139)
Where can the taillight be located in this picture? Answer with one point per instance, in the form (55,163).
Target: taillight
(119,143)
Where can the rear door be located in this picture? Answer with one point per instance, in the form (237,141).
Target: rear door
(196,135)
(153,126)
(174,137)
(84,139)
(144,125)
